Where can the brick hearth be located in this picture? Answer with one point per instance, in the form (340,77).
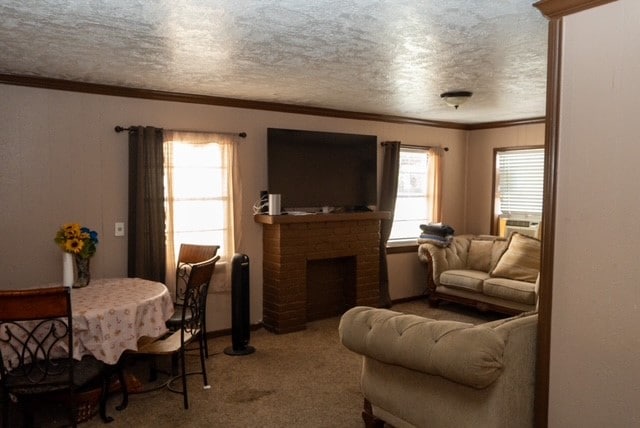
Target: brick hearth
(291,242)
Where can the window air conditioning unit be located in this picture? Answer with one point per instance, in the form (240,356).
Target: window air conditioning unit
(525,227)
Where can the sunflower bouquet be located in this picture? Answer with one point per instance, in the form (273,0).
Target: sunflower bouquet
(77,240)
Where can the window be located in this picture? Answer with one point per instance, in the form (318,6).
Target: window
(196,194)
(413,201)
(519,180)
(199,193)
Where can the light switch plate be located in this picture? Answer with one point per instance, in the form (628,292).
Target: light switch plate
(119,231)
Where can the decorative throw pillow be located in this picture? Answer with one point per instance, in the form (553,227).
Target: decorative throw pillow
(521,260)
(479,257)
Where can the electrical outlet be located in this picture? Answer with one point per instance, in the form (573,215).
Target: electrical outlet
(119,229)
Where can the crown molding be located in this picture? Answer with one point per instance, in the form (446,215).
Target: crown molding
(506,123)
(560,8)
(122,91)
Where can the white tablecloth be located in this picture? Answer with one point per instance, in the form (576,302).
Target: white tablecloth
(110,315)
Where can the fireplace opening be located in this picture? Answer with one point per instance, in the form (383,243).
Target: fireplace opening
(331,287)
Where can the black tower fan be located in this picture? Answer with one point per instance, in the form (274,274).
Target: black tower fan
(240,309)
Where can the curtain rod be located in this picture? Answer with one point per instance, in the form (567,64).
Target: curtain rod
(119,128)
(413,146)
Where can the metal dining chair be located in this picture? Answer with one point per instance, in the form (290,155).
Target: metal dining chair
(188,255)
(191,327)
(36,352)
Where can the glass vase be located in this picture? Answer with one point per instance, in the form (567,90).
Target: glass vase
(83,272)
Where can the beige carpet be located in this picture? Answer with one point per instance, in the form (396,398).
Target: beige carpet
(302,379)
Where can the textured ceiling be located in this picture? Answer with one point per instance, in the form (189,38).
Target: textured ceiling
(371,56)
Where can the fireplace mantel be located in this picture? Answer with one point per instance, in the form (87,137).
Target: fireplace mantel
(291,242)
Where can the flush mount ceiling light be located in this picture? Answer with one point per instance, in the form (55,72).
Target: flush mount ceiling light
(456,98)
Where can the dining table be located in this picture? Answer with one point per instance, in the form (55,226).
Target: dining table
(110,316)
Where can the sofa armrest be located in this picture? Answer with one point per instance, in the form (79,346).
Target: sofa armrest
(441,259)
(426,254)
(460,352)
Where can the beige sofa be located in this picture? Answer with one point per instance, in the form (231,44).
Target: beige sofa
(419,372)
(487,272)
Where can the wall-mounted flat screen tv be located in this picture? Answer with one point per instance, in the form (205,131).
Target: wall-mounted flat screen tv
(312,169)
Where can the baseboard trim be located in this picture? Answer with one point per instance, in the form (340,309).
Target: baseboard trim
(227,331)
(259,325)
(408,299)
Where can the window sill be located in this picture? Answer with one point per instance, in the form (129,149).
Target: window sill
(402,246)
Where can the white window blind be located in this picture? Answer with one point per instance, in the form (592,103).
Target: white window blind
(520,178)
(412,200)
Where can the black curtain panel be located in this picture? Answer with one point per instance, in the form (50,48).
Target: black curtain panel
(388,193)
(146,242)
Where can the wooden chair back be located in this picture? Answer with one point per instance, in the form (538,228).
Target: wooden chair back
(34,332)
(188,255)
(195,297)
(36,344)
(33,304)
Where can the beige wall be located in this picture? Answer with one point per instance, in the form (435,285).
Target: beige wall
(595,338)
(62,161)
(409,278)
(480,168)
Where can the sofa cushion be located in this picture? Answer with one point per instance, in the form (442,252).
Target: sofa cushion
(499,247)
(521,260)
(479,257)
(464,279)
(511,289)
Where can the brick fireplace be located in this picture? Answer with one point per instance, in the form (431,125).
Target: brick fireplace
(317,266)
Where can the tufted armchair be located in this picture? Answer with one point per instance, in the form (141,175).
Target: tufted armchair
(419,372)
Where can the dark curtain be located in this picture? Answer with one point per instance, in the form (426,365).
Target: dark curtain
(388,192)
(147,249)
